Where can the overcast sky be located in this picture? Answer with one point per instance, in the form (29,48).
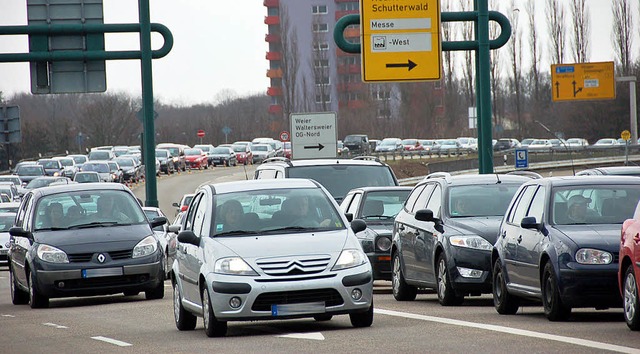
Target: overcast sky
(219,47)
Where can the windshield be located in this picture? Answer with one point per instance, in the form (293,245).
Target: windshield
(125,162)
(30,171)
(221,150)
(87,208)
(383,205)
(80,159)
(162,153)
(14,180)
(352,139)
(41,182)
(388,143)
(260,148)
(340,179)
(97,167)
(66,162)
(99,155)
(603,204)
(239,148)
(480,200)
(87,177)
(193,152)
(6,222)
(49,164)
(274,211)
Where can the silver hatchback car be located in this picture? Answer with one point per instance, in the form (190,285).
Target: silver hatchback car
(265,250)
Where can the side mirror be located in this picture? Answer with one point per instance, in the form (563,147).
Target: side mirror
(175,205)
(530,222)
(189,237)
(159,221)
(358,225)
(349,216)
(20,232)
(425,215)
(174,228)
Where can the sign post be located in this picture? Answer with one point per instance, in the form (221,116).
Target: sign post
(313,135)
(400,40)
(200,134)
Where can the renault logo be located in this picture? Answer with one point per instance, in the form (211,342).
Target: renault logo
(101,258)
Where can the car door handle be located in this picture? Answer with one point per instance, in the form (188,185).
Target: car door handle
(519,238)
(636,238)
(401,227)
(504,234)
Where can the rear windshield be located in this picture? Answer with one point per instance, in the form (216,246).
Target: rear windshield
(339,180)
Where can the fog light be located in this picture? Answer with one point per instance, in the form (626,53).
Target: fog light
(61,284)
(470,273)
(356,294)
(235,302)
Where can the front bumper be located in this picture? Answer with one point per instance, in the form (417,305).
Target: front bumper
(590,286)
(270,298)
(471,259)
(76,280)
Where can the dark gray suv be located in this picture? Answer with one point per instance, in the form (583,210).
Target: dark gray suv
(338,176)
(358,144)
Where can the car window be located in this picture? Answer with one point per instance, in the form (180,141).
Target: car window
(190,218)
(537,205)
(346,202)
(22,210)
(435,202)
(413,196)
(383,204)
(523,205)
(480,199)
(266,173)
(200,214)
(603,204)
(353,208)
(421,202)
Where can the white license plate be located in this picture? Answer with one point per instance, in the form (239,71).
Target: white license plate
(298,309)
(101,272)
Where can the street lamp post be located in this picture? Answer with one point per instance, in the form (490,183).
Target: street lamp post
(632,106)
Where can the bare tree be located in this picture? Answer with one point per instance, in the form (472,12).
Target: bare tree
(495,67)
(557,27)
(581,31)
(447,35)
(468,72)
(533,46)
(622,34)
(111,119)
(515,56)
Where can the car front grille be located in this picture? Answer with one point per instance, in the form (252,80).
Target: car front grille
(297,265)
(86,257)
(330,297)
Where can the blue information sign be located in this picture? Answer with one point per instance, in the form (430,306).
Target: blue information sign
(522,158)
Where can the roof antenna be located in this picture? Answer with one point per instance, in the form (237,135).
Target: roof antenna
(498,177)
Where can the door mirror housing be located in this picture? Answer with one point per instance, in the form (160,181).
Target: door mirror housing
(358,225)
(530,222)
(189,237)
(425,215)
(158,221)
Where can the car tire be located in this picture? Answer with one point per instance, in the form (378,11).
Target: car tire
(157,292)
(401,290)
(36,300)
(18,296)
(362,319)
(505,303)
(212,327)
(185,320)
(322,318)
(554,309)
(446,295)
(631,300)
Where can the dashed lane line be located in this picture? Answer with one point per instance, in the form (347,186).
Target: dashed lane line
(57,326)
(513,331)
(112,341)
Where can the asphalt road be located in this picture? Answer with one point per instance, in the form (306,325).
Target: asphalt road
(115,324)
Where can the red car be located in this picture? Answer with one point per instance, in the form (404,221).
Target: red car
(287,149)
(629,270)
(243,153)
(195,158)
(412,145)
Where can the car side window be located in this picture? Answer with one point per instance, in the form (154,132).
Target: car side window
(411,200)
(200,214)
(353,208)
(514,205)
(346,202)
(537,205)
(191,212)
(266,173)
(435,202)
(523,205)
(22,212)
(421,202)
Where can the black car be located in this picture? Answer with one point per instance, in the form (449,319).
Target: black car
(223,156)
(83,240)
(51,167)
(559,244)
(130,169)
(378,206)
(358,144)
(443,236)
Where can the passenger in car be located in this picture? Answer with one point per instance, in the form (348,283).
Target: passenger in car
(231,216)
(302,213)
(55,216)
(107,210)
(577,209)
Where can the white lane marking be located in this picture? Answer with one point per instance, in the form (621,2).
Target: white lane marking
(519,332)
(312,336)
(55,325)
(8,316)
(112,341)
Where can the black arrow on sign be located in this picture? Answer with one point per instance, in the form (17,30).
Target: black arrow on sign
(319,147)
(575,92)
(409,65)
(557,89)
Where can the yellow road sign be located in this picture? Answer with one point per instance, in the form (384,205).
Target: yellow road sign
(626,135)
(585,81)
(400,40)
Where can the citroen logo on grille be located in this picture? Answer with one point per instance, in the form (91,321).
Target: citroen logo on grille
(101,258)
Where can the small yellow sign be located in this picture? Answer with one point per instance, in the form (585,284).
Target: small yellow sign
(400,40)
(626,135)
(585,81)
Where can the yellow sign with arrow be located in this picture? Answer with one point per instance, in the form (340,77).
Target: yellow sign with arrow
(583,81)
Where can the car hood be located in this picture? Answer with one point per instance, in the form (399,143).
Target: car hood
(261,153)
(285,244)
(96,238)
(380,227)
(191,157)
(600,235)
(486,226)
(219,155)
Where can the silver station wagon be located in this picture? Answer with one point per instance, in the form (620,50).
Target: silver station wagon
(266,250)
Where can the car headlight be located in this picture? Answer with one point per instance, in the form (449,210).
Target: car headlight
(471,241)
(350,259)
(145,247)
(51,254)
(383,243)
(233,266)
(56,174)
(592,256)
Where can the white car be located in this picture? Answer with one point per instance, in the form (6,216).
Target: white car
(606,142)
(167,239)
(6,222)
(540,145)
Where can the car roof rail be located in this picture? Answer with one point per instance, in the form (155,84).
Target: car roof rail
(278,159)
(367,158)
(445,175)
(530,174)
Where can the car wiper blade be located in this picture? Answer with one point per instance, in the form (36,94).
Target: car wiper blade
(237,232)
(53,228)
(384,217)
(294,228)
(94,224)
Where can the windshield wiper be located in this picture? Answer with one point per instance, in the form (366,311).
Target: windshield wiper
(237,232)
(94,224)
(294,228)
(384,217)
(53,228)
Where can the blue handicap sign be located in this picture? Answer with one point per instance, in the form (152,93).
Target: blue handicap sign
(522,158)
